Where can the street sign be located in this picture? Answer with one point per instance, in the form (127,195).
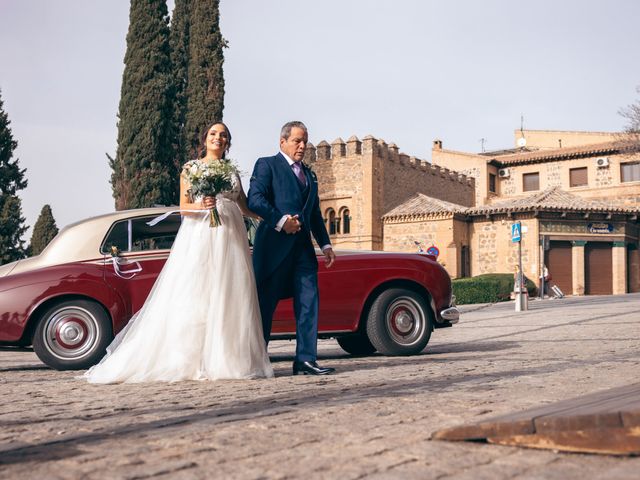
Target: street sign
(516,230)
(433,250)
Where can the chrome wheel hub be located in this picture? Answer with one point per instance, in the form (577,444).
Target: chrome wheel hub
(405,321)
(70,332)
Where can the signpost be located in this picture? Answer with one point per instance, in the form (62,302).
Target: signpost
(520,287)
(516,232)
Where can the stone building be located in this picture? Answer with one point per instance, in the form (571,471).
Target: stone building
(577,195)
(359,181)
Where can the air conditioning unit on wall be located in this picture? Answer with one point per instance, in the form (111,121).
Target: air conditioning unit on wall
(602,162)
(504,173)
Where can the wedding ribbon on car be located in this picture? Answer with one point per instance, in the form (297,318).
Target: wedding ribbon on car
(116,260)
(164,216)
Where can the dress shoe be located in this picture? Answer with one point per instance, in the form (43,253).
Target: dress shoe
(311,368)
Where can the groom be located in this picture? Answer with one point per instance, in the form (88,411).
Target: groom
(284,192)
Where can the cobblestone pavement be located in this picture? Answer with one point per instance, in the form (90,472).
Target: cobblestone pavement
(373,419)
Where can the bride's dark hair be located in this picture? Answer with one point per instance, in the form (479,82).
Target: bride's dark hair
(203,139)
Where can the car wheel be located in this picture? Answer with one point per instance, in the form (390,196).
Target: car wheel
(356,345)
(399,322)
(72,335)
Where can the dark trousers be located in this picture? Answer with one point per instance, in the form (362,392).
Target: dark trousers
(299,272)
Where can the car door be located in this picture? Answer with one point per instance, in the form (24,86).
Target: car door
(135,253)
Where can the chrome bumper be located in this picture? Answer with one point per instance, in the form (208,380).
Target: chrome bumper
(451,314)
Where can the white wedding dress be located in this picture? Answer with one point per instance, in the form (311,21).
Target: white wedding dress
(201,319)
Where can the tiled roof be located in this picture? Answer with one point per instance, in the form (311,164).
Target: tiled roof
(564,153)
(423,205)
(552,199)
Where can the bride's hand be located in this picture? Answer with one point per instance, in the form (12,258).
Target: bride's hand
(209,202)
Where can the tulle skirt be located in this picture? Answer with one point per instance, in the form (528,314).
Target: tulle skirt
(201,319)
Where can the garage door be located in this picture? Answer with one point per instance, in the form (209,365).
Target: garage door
(560,265)
(598,269)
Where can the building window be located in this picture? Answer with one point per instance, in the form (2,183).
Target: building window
(630,172)
(331,219)
(346,221)
(578,177)
(530,182)
(492,183)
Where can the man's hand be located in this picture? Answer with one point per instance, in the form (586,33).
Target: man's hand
(209,202)
(329,257)
(292,225)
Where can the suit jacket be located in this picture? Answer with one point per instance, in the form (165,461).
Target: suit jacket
(274,191)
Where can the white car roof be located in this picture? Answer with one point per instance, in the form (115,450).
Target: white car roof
(80,240)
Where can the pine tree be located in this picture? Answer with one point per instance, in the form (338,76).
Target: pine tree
(43,231)
(12,179)
(143,170)
(205,88)
(179,43)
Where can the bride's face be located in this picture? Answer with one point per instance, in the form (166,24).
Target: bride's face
(217,140)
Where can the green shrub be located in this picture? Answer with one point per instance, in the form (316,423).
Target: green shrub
(487,288)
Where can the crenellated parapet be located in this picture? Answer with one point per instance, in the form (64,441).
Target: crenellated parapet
(338,148)
(354,146)
(394,173)
(310,155)
(389,153)
(323,151)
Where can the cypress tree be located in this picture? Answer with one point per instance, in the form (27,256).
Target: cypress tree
(144,172)
(43,231)
(12,179)
(179,43)
(205,88)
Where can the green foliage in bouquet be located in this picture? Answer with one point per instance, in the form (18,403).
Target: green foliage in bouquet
(207,179)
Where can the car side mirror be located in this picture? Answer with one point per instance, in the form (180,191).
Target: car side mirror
(115,251)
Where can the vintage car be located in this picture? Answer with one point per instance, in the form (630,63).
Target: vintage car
(70,301)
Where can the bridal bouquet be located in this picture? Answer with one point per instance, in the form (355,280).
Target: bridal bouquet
(208,179)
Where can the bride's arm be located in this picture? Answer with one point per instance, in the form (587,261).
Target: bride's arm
(186,199)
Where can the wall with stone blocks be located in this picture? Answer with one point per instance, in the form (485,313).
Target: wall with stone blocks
(494,252)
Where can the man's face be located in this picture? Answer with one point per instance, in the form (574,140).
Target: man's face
(295,145)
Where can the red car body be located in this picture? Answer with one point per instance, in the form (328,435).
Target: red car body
(32,289)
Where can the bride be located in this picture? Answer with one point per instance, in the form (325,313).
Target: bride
(201,319)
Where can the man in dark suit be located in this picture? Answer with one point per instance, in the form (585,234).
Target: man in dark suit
(284,192)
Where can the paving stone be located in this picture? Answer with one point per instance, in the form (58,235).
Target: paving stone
(373,419)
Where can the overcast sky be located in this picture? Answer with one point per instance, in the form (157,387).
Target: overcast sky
(406,71)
